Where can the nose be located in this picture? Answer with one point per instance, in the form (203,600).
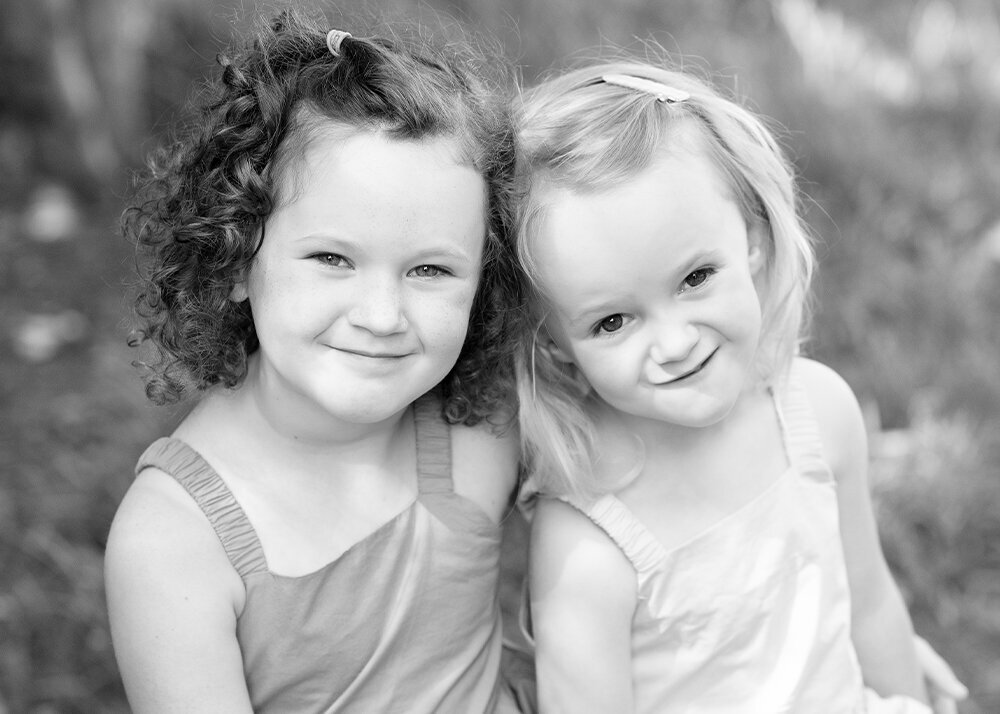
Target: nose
(672,341)
(379,306)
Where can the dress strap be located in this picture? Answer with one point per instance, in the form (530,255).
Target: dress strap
(209,491)
(433,446)
(800,429)
(614,518)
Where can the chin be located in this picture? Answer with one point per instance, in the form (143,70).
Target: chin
(371,408)
(702,421)
(368,412)
(700,416)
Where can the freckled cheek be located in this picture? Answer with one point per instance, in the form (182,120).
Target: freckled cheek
(270,288)
(444,319)
(275,308)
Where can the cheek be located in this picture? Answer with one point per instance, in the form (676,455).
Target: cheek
(606,366)
(444,319)
(267,287)
(743,314)
(278,308)
(256,281)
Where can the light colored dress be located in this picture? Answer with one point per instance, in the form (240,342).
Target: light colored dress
(407,620)
(753,614)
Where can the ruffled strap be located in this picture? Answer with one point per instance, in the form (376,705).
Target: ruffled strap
(216,501)
(800,429)
(433,446)
(628,533)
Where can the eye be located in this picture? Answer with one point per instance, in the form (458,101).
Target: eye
(697,277)
(332,259)
(429,271)
(611,323)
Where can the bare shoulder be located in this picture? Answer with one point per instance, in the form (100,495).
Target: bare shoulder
(160,532)
(838,414)
(173,599)
(583,598)
(485,465)
(556,523)
(569,551)
(821,381)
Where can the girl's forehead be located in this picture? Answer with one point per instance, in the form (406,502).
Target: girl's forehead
(673,211)
(320,146)
(674,185)
(369,189)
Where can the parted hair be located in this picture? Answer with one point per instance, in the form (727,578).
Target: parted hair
(197,218)
(579,133)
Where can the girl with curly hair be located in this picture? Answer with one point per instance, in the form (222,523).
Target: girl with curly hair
(328,271)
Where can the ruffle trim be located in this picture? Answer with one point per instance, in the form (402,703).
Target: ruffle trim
(801,431)
(433,446)
(216,501)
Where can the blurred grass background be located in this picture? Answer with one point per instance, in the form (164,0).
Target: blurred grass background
(888,109)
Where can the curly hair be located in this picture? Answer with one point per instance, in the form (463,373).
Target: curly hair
(197,221)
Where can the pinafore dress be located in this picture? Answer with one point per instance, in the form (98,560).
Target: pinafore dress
(752,614)
(406,620)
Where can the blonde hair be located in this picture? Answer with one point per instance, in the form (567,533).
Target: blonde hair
(580,133)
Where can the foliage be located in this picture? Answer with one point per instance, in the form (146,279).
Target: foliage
(888,110)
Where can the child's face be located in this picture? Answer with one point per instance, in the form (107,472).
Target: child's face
(652,291)
(363,286)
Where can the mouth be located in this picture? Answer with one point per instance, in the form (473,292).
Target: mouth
(691,373)
(373,355)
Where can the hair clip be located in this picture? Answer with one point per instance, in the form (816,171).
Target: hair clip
(334,39)
(661,91)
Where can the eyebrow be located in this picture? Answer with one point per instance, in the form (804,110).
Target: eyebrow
(445,253)
(323,237)
(340,241)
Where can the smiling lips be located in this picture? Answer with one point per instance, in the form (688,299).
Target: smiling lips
(686,375)
(372,355)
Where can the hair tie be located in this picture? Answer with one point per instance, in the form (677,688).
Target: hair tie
(662,92)
(334,39)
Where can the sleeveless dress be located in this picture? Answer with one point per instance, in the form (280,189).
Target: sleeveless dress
(406,620)
(752,614)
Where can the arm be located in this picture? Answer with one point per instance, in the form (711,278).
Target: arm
(172,601)
(583,595)
(881,628)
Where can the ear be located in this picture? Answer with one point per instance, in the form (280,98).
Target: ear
(757,233)
(559,354)
(547,345)
(564,362)
(239,293)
